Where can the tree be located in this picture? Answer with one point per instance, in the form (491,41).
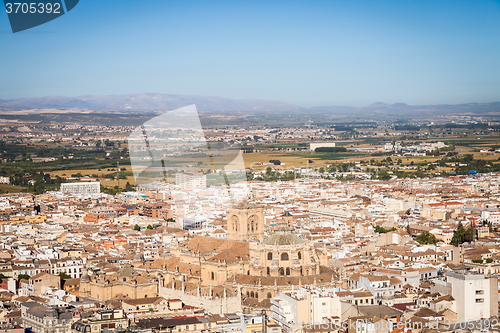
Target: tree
(136,227)
(322,169)
(461,235)
(489,224)
(382,230)
(64,276)
(383,174)
(23,277)
(426,238)
(408,211)
(469,235)
(128,187)
(150,227)
(408,229)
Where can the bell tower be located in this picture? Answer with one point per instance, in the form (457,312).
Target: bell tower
(245,222)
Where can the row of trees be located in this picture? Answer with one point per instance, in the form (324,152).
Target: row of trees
(382,230)
(461,235)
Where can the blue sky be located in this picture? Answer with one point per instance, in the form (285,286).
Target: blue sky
(308,53)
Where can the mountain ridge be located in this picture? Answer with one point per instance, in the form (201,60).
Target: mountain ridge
(147,102)
(165,102)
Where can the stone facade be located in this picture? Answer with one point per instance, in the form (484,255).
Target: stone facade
(245,223)
(127,283)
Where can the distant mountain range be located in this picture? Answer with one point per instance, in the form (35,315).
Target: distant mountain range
(400,109)
(164,102)
(146,102)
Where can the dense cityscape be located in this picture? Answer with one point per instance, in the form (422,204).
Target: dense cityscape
(397,235)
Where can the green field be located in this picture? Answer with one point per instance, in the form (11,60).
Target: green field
(11,188)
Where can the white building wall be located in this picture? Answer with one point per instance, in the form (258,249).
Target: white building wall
(81,188)
(472,293)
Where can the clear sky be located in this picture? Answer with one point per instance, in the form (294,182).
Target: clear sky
(309,53)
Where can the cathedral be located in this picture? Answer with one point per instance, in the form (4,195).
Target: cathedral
(249,264)
(126,283)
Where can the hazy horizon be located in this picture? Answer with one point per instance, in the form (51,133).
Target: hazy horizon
(158,101)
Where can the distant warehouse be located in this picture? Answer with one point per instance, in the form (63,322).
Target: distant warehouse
(81,188)
(315,145)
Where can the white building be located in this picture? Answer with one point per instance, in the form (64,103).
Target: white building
(4,180)
(476,296)
(314,145)
(398,205)
(294,308)
(492,216)
(189,181)
(81,188)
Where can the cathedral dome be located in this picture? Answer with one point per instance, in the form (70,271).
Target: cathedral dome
(51,313)
(283,235)
(127,271)
(283,239)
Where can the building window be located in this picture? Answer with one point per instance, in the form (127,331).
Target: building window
(269,256)
(281,271)
(268,271)
(299,255)
(213,276)
(288,271)
(479,300)
(479,292)
(284,256)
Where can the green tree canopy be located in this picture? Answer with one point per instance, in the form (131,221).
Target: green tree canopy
(23,277)
(382,230)
(426,238)
(462,235)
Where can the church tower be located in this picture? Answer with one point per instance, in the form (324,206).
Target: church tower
(245,222)
(85,284)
